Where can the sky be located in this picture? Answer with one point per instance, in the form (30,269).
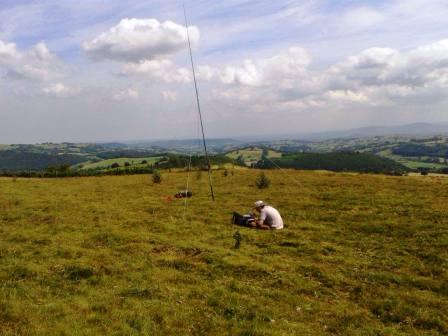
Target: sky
(112,70)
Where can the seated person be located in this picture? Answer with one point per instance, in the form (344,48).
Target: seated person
(269,217)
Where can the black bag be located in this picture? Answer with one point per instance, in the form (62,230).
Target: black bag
(184,194)
(242,220)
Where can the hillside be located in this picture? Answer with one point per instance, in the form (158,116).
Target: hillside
(415,129)
(413,152)
(360,255)
(122,161)
(417,153)
(251,155)
(16,160)
(337,161)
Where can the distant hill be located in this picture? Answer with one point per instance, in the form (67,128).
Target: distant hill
(338,161)
(419,145)
(416,129)
(16,160)
(188,145)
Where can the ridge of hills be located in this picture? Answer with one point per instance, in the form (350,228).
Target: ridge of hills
(414,146)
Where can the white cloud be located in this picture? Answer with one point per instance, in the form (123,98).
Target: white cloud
(163,70)
(384,66)
(373,77)
(205,72)
(134,40)
(434,54)
(7,51)
(37,63)
(362,17)
(265,71)
(346,95)
(169,95)
(126,94)
(236,94)
(60,90)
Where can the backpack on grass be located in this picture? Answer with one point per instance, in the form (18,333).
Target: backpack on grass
(242,220)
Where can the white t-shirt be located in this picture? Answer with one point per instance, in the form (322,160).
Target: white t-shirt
(270,216)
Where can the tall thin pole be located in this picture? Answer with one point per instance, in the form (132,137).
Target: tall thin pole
(209,168)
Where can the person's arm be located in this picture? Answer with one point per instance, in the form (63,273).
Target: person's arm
(260,221)
(261,225)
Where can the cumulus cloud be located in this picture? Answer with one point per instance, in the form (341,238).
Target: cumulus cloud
(7,51)
(134,40)
(375,76)
(417,68)
(261,72)
(126,94)
(60,90)
(164,70)
(37,63)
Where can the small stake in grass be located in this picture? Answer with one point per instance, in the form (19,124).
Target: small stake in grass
(156,177)
(262,181)
(238,238)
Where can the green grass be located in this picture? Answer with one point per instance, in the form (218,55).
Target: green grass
(419,164)
(360,255)
(121,161)
(411,163)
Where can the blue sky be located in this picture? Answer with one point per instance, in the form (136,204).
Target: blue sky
(78,71)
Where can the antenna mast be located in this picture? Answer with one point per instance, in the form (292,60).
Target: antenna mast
(209,168)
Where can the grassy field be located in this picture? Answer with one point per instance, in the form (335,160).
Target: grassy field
(411,163)
(121,161)
(360,255)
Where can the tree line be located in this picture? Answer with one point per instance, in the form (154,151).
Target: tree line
(336,161)
(167,162)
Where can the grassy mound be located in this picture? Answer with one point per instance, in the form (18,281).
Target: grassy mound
(360,255)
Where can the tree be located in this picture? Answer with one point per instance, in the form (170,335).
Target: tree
(423,171)
(240,161)
(262,181)
(115,165)
(144,162)
(265,152)
(156,177)
(127,164)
